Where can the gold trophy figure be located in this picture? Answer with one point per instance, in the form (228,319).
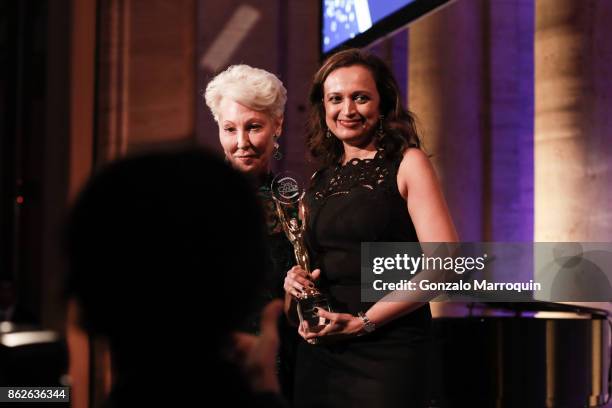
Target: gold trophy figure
(292,214)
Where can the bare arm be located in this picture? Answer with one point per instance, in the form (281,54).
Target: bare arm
(418,184)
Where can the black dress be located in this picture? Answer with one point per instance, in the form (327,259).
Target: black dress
(350,204)
(281,259)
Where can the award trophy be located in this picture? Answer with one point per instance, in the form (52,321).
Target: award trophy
(288,199)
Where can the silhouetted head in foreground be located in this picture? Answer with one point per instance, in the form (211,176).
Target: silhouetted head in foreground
(165,255)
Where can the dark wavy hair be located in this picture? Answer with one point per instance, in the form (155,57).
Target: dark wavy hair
(398,124)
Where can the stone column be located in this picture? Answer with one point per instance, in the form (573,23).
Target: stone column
(509,150)
(573,107)
(146,85)
(471,86)
(446,76)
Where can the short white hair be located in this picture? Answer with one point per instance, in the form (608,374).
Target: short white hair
(254,88)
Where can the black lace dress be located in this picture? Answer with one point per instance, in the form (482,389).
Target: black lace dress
(350,204)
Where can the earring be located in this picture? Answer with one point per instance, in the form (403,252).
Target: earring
(277,155)
(328,134)
(380,132)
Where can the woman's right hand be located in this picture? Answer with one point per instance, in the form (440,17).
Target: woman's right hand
(297,280)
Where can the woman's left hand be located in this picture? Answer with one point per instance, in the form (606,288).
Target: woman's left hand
(340,325)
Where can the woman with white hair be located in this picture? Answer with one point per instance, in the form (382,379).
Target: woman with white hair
(248,105)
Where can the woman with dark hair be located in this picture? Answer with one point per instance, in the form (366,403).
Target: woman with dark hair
(396,123)
(375,185)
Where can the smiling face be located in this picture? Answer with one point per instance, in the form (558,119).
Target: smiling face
(351,102)
(247,136)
